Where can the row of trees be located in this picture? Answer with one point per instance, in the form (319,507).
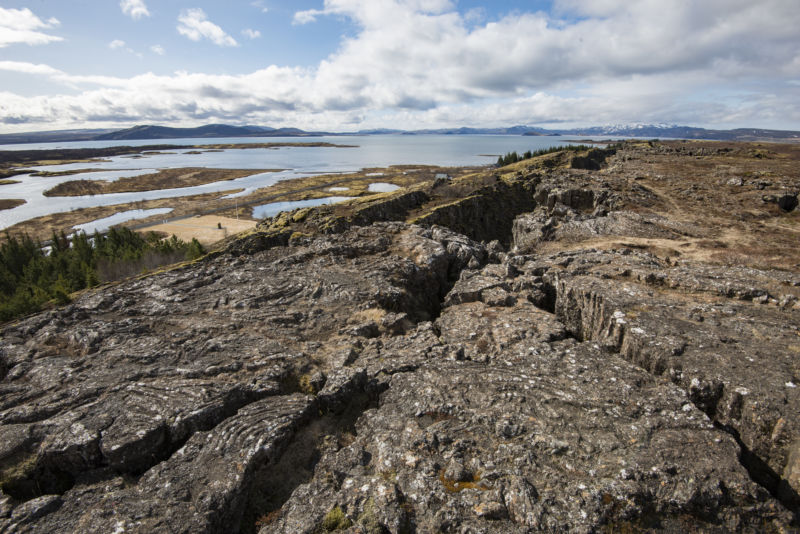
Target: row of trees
(31,275)
(513,157)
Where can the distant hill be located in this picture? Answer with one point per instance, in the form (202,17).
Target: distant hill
(55,136)
(210,130)
(514,130)
(225,130)
(683,132)
(154,132)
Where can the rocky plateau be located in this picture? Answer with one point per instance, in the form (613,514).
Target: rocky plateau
(596,342)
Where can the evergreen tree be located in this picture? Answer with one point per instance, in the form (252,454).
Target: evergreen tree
(32,275)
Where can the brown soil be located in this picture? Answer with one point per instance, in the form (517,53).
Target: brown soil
(164,179)
(10,203)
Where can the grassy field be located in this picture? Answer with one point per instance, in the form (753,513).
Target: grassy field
(207,229)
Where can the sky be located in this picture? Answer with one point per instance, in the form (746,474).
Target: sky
(346,65)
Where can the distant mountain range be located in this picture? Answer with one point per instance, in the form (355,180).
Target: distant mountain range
(210,130)
(684,132)
(54,136)
(224,130)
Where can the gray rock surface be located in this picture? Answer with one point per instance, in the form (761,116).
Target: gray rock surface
(529,430)
(562,223)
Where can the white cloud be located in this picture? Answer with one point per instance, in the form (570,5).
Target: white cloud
(259,4)
(419,63)
(118,44)
(158,49)
(135,9)
(28,68)
(20,26)
(307,16)
(194,24)
(57,75)
(374,10)
(251,34)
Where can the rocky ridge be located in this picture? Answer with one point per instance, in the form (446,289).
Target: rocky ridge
(572,363)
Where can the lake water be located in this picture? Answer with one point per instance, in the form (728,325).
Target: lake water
(274,208)
(368,151)
(101,225)
(382,187)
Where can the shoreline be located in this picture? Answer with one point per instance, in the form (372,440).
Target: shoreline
(10,160)
(353,185)
(152,181)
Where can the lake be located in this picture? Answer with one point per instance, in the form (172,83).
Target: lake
(368,151)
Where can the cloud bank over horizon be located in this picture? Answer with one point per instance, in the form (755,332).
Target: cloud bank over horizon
(429,63)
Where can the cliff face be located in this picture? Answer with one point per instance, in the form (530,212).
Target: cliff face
(630,361)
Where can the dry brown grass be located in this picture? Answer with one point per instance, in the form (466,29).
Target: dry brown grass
(207,229)
(164,179)
(721,191)
(371,314)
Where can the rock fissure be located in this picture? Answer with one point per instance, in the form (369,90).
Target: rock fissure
(344,399)
(764,475)
(592,318)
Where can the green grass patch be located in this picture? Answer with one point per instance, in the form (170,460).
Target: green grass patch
(336,520)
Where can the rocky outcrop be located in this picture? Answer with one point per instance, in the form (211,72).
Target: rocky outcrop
(486,214)
(149,377)
(400,378)
(564,224)
(716,349)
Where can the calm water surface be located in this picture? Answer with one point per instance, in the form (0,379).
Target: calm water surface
(270,210)
(368,151)
(101,225)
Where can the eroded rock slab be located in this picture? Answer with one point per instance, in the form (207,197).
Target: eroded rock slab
(513,428)
(126,381)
